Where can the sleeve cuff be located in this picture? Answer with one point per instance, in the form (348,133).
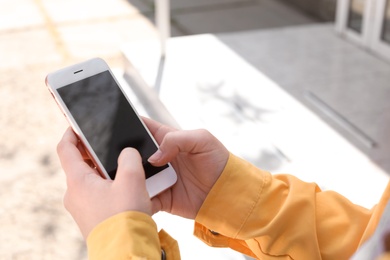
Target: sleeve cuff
(126,234)
(237,190)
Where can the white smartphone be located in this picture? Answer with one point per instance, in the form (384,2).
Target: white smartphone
(105,121)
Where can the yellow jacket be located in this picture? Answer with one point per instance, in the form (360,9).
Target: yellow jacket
(249,210)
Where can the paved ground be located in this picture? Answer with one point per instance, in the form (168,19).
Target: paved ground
(38,36)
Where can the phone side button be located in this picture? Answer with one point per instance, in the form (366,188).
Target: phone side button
(51,93)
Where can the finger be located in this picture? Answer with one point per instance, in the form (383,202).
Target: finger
(156,204)
(130,170)
(82,150)
(181,141)
(90,163)
(157,129)
(85,155)
(71,159)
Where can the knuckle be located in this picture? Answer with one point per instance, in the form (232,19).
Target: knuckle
(204,135)
(203,132)
(169,137)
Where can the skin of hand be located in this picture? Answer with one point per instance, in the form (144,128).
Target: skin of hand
(198,158)
(91,199)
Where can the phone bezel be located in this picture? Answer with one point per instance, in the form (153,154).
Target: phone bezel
(55,80)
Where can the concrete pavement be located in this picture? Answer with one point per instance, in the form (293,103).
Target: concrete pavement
(38,36)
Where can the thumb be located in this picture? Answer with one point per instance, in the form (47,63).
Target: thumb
(131,184)
(130,171)
(176,142)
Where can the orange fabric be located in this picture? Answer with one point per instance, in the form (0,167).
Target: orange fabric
(169,245)
(281,217)
(128,235)
(249,210)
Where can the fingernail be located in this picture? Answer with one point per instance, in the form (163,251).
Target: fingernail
(155,157)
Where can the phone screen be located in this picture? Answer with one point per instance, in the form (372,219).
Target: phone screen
(108,121)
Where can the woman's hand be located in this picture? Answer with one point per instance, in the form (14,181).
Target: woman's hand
(198,158)
(90,199)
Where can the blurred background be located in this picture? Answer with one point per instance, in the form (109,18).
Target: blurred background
(299,86)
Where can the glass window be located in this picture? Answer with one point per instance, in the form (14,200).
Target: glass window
(386,23)
(355,15)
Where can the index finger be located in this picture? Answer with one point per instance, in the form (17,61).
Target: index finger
(70,156)
(157,129)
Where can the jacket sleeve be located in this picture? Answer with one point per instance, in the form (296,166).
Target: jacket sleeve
(279,217)
(130,235)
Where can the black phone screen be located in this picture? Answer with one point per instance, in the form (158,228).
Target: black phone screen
(108,121)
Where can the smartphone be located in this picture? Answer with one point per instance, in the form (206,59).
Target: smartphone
(105,121)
